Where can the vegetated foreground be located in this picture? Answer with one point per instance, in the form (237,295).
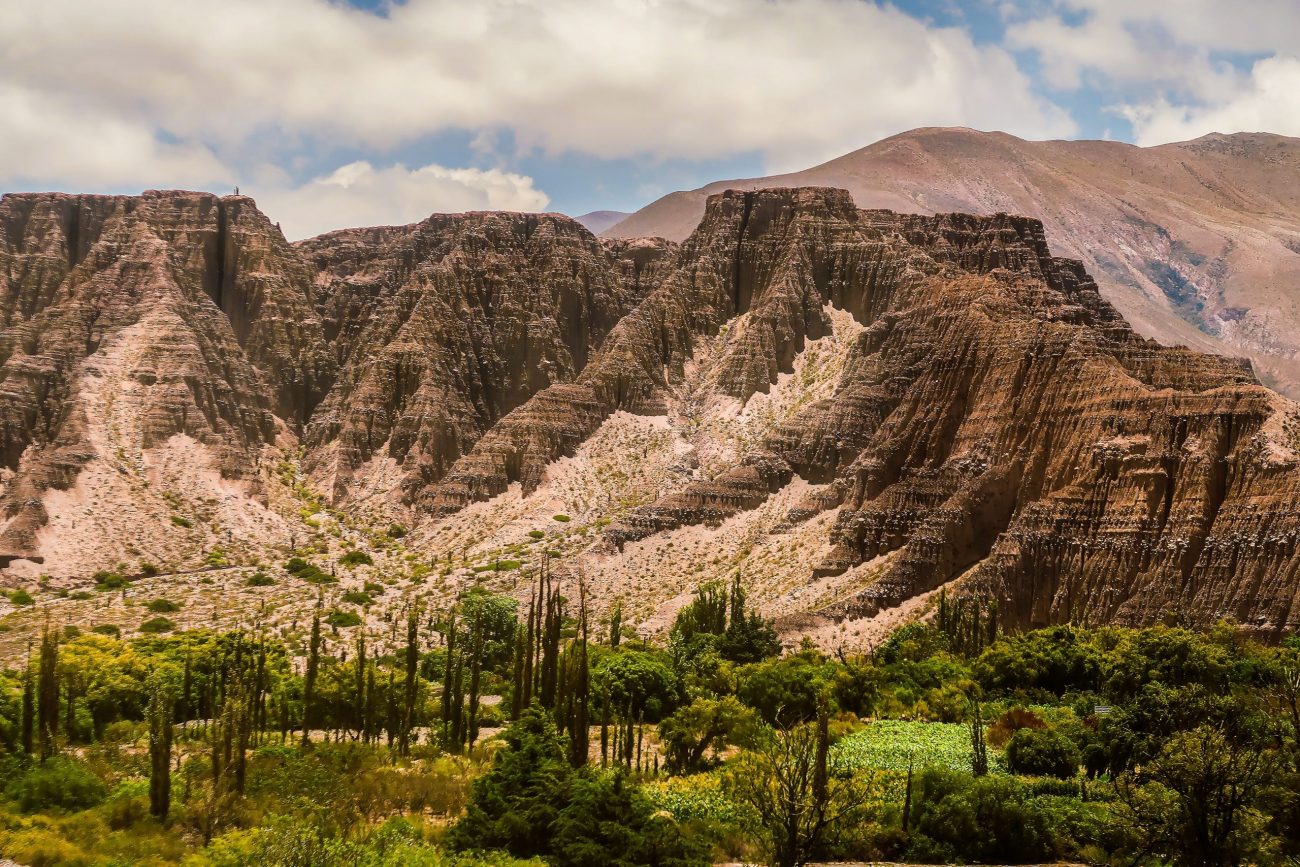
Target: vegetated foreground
(495,734)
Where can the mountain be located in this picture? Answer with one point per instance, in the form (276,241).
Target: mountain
(850,408)
(1196,243)
(598,221)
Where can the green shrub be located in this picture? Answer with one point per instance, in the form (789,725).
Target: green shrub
(182,522)
(105,580)
(358,597)
(156,625)
(356,558)
(1042,752)
(58,783)
(396,531)
(163,606)
(563,519)
(106,629)
(148,570)
(374,588)
(81,595)
(260,579)
(338,618)
(21,597)
(308,572)
(536,534)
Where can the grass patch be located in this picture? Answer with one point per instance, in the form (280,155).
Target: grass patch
(162,606)
(260,579)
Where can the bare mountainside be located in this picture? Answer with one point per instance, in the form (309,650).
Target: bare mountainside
(1196,243)
(853,408)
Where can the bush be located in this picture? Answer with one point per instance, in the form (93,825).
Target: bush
(338,618)
(105,580)
(396,531)
(358,597)
(148,570)
(81,595)
(959,818)
(1042,752)
(57,784)
(356,558)
(563,519)
(182,522)
(308,572)
(156,625)
(106,629)
(21,597)
(163,606)
(260,579)
(1015,719)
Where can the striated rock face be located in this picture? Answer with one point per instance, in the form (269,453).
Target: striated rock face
(919,401)
(1194,242)
(996,419)
(442,328)
(171,313)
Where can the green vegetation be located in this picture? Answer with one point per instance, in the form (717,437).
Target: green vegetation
(358,597)
(563,519)
(163,606)
(356,558)
(339,618)
(494,731)
(308,572)
(156,625)
(260,579)
(105,580)
(21,597)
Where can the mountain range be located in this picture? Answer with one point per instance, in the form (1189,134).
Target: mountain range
(1196,243)
(851,408)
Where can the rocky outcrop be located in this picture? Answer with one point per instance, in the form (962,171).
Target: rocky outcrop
(977,415)
(442,328)
(1194,242)
(996,420)
(190,308)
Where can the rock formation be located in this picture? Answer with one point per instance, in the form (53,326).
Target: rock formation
(909,401)
(1194,242)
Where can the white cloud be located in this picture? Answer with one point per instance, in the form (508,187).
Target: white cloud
(46,140)
(1168,63)
(1269,102)
(796,80)
(358,194)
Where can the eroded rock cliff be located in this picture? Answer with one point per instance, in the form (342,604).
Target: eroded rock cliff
(852,407)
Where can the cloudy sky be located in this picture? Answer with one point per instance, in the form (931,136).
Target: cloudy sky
(375,111)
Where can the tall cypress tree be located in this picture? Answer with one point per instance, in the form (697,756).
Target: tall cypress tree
(47,692)
(161,715)
(313,665)
(29,705)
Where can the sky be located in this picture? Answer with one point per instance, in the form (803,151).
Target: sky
(366,112)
